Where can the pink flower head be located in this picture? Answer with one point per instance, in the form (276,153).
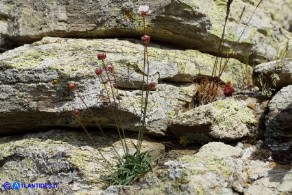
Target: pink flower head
(144,10)
(98,71)
(72,86)
(151,86)
(101,56)
(110,68)
(145,39)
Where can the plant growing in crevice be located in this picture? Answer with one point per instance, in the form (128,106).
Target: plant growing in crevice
(210,88)
(131,165)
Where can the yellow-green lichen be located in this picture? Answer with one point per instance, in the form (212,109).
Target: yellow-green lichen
(171,114)
(211,164)
(229,113)
(33,58)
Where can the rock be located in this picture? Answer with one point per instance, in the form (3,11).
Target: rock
(116,190)
(271,186)
(280,11)
(34,84)
(217,169)
(62,157)
(273,75)
(188,24)
(219,150)
(279,125)
(227,119)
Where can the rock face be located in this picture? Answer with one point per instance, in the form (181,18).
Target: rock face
(227,119)
(62,157)
(196,24)
(273,75)
(280,11)
(34,84)
(216,169)
(65,157)
(279,125)
(34,94)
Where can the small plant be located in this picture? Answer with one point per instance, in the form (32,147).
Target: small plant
(130,166)
(210,88)
(247,72)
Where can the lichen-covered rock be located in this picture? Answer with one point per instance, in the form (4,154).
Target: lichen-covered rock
(34,83)
(268,186)
(280,11)
(63,157)
(191,24)
(273,75)
(279,125)
(227,119)
(216,169)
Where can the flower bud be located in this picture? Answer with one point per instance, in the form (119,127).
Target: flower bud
(145,39)
(98,71)
(110,68)
(151,86)
(101,56)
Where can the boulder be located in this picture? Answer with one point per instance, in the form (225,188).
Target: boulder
(34,81)
(280,11)
(65,158)
(190,24)
(279,125)
(227,119)
(273,75)
(216,169)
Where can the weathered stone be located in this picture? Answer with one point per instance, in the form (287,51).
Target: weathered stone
(270,186)
(191,24)
(227,119)
(279,125)
(34,84)
(273,75)
(280,11)
(216,169)
(63,157)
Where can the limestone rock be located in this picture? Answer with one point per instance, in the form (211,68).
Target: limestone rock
(191,24)
(34,84)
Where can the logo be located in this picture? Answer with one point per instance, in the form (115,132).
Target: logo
(16,185)
(6,186)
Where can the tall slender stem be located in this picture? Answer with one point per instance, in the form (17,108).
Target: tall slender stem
(96,122)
